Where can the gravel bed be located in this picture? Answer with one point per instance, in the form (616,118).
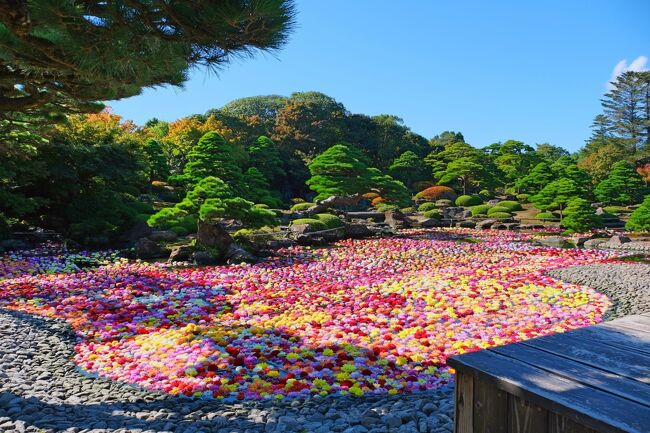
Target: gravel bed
(42,390)
(627,285)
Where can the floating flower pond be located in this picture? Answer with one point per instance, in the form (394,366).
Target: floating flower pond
(361,317)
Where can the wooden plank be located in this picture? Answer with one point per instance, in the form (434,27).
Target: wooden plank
(640,339)
(629,364)
(464,402)
(612,337)
(525,417)
(577,372)
(490,407)
(594,408)
(559,424)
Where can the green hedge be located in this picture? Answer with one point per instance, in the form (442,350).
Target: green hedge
(331,221)
(496,209)
(433,213)
(426,206)
(299,207)
(480,209)
(468,200)
(545,216)
(511,205)
(617,209)
(313,225)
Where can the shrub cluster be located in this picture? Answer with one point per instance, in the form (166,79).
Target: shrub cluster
(468,200)
(436,193)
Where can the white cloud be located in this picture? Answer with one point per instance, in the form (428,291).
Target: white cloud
(637,65)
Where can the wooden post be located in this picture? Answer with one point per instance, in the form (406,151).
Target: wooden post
(464,403)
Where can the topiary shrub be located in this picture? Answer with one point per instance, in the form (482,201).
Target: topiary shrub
(500,215)
(330,221)
(383,207)
(468,200)
(580,217)
(486,194)
(436,193)
(407,210)
(370,195)
(180,230)
(523,198)
(640,218)
(511,205)
(300,207)
(545,216)
(495,209)
(263,206)
(426,206)
(433,213)
(480,209)
(377,200)
(313,225)
(617,209)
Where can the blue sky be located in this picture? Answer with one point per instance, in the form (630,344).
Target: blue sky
(494,70)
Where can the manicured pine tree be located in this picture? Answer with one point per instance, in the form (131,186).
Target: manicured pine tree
(265,156)
(540,176)
(158,168)
(580,216)
(640,218)
(340,170)
(389,188)
(211,156)
(559,192)
(623,186)
(255,188)
(408,167)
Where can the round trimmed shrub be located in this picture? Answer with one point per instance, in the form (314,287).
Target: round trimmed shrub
(433,213)
(313,225)
(300,207)
(468,200)
(180,230)
(495,209)
(436,193)
(407,210)
(500,215)
(426,206)
(485,193)
(377,200)
(617,209)
(480,209)
(545,216)
(523,198)
(383,207)
(511,205)
(330,221)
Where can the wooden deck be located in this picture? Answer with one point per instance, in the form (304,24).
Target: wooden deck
(594,379)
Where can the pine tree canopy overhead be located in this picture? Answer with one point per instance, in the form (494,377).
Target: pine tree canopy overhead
(67,54)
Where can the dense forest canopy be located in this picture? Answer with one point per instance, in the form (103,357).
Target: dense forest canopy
(92,176)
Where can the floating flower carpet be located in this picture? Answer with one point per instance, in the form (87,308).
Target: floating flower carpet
(361,317)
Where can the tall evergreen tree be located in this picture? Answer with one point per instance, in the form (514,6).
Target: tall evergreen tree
(640,218)
(623,186)
(580,216)
(265,156)
(211,156)
(559,193)
(340,170)
(626,108)
(408,168)
(540,176)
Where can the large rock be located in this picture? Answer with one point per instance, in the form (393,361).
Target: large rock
(466,224)
(430,222)
(236,254)
(213,236)
(139,230)
(148,249)
(456,213)
(205,258)
(617,241)
(396,219)
(485,224)
(163,236)
(300,229)
(594,243)
(357,231)
(180,253)
(554,242)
